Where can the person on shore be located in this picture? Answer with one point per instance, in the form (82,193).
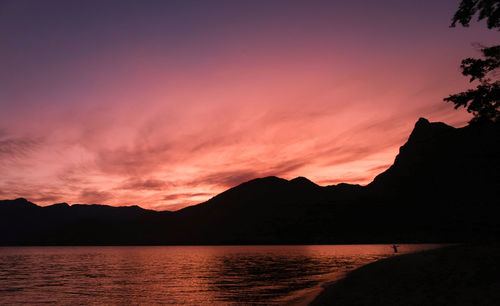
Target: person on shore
(395,247)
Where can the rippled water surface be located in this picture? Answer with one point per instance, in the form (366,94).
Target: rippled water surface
(177,274)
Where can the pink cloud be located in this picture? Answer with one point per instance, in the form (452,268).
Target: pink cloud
(165,122)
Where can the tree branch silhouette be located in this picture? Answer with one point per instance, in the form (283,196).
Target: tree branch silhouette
(483,101)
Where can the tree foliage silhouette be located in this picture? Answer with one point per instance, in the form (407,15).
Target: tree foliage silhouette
(483,101)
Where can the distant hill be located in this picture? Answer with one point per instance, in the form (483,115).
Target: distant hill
(444,186)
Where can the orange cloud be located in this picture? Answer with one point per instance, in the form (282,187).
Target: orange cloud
(165,116)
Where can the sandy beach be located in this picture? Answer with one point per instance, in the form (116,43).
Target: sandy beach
(453,275)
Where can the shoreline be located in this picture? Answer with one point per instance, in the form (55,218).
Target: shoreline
(450,275)
(307,296)
(321,288)
(313,293)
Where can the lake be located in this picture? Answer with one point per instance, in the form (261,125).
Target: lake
(179,274)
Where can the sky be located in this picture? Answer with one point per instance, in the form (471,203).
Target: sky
(164,104)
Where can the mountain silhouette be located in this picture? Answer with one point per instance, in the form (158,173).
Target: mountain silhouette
(444,186)
(444,160)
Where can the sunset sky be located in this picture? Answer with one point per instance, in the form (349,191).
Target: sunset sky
(164,104)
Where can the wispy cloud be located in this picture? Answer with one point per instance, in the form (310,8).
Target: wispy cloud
(144,184)
(132,160)
(15,148)
(87,123)
(176,196)
(36,193)
(94,196)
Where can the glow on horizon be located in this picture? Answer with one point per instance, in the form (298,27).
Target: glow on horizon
(143,105)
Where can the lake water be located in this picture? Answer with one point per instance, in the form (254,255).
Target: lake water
(178,274)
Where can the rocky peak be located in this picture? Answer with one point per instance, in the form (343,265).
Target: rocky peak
(425,130)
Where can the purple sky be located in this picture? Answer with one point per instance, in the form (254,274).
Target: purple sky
(166,103)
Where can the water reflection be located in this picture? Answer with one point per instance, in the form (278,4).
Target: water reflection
(173,275)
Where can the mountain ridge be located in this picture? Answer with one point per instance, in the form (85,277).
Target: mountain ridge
(442,187)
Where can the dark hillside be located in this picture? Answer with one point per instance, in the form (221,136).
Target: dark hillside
(444,186)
